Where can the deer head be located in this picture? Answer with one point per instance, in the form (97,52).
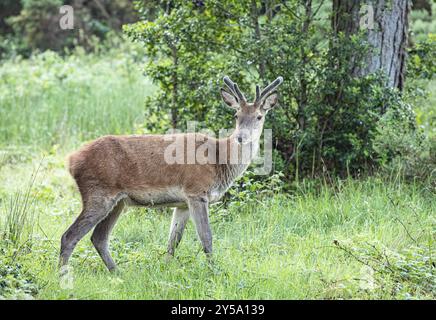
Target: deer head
(250,117)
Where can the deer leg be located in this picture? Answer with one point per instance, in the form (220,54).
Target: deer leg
(95,209)
(178,223)
(100,236)
(198,207)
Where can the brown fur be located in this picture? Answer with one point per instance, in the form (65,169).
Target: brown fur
(134,163)
(113,171)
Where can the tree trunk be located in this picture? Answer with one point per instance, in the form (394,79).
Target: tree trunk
(386,25)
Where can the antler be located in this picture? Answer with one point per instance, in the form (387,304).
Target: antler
(260,95)
(257,93)
(268,89)
(234,89)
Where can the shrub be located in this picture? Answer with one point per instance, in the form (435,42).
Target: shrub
(404,274)
(403,149)
(327,119)
(27,26)
(15,282)
(38,26)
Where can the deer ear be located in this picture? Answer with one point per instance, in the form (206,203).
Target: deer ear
(229,99)
(270,101)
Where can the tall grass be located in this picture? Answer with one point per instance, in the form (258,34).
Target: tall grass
(333,244)
(49,99)
(17,216)
(18,219)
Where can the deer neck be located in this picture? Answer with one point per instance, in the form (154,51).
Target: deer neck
(237,158)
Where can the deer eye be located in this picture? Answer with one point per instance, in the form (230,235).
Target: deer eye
(236,116)
(259,117)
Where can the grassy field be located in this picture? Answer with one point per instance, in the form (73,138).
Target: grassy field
(370,238)
(49,101)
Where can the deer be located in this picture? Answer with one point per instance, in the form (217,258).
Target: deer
(113,172)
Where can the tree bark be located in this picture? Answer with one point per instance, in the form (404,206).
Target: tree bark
(387,35)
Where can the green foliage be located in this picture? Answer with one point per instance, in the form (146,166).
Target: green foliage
(50,100)
(15,283)
(17,227)
(327,118)
(402,274)
(401,148)
(38,26)
(405,139)
(421,85)
(248,189)
(422,61)
(182,48)
(423,23)
(28,26)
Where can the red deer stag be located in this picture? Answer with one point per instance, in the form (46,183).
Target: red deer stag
(114,171)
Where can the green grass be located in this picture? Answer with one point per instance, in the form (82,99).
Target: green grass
(370,238)
(49,100)
(281,247)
